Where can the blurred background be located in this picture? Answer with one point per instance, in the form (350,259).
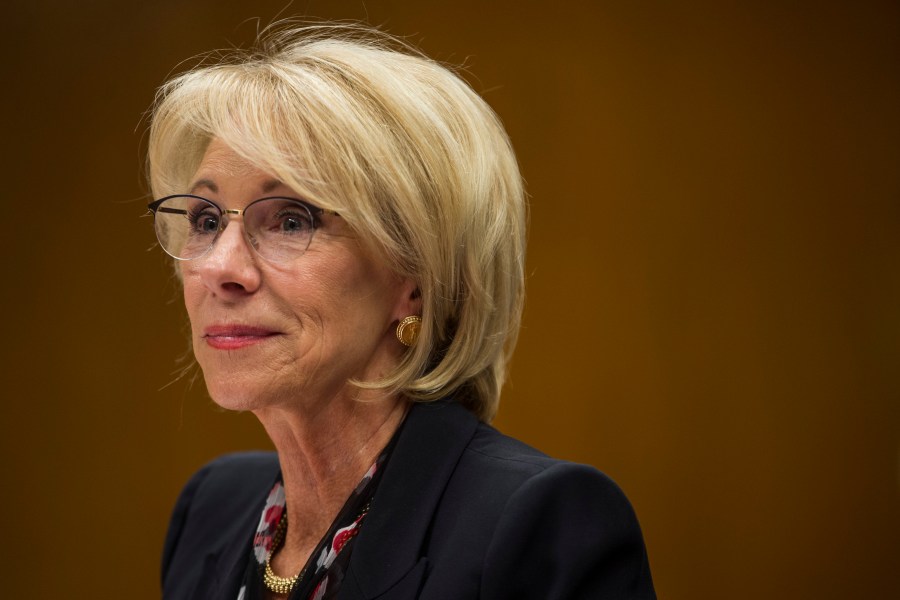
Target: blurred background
(714,278)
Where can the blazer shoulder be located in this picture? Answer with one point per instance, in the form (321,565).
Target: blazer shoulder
(490,446)
(512,468)
(515,524)
(568,531)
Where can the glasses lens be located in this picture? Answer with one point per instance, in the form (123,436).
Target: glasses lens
(187,226)
(279,228)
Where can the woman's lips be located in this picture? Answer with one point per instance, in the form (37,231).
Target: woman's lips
(234,337)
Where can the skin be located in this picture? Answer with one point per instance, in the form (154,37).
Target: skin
(282,341)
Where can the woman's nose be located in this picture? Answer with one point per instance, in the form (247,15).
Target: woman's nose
(230,266)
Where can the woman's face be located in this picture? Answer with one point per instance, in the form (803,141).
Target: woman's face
(291,333)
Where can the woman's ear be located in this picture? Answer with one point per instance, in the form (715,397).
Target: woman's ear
(410,300)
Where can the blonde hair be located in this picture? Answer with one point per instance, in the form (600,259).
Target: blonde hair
(405,151)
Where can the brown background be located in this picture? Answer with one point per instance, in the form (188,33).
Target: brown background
(714,277)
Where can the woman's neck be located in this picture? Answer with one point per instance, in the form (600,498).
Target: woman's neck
(324,452)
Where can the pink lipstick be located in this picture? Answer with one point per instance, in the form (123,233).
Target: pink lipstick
(235,337)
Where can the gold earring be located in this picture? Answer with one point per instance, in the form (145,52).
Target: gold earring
(408,330)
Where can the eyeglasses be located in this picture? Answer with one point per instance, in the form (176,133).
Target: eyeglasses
(279,229)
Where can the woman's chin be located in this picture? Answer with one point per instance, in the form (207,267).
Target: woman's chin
(237,404)
(236,395)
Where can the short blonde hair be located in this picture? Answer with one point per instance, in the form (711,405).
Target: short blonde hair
(405,151)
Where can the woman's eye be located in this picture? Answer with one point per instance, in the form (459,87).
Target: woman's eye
(208,224)
(294,223)
(204,221)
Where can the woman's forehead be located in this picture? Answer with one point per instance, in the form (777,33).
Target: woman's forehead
(221,164)
(221,158)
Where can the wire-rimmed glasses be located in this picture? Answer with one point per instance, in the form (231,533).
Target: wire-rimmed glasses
(278,228)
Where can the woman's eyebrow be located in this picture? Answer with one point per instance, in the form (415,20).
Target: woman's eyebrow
(270,185)
(207,183)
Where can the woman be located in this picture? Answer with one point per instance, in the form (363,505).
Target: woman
(349,224)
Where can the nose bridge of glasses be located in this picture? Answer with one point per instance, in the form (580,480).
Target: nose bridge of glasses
(227,242)
(227,214)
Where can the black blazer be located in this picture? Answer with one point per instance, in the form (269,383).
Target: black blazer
(462,512)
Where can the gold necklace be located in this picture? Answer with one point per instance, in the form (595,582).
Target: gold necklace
(274,583)
(285,585)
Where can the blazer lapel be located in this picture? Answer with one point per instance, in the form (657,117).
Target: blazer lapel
(232,561)
(391,542)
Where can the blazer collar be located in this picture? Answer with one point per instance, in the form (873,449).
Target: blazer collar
(392,540)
